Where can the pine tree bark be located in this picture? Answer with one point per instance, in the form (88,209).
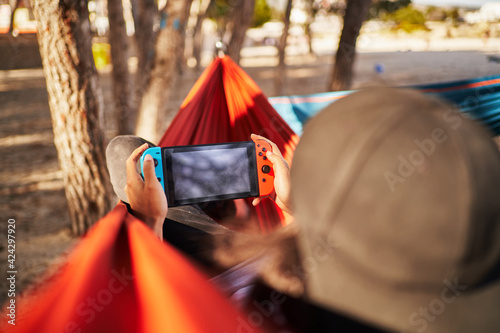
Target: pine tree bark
(198,36)
(243,14)
(145,39)
(76,107)
(280,73)
(181,58)
(307,27)
(134,8)
(355,14)
(153,116)
(122,84)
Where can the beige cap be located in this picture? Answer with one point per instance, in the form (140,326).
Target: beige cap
(397,198)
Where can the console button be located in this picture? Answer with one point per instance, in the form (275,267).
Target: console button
(260,154)
(266,169)
(156,162)
(263,180)
(159,179)
(264,149)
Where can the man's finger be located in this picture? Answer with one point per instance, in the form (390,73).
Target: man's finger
(257,200)
(279,164)
(275,148)
(132,161)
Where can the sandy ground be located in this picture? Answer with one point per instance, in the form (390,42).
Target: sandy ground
(31,188)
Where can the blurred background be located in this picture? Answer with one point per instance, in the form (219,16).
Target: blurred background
(288,48)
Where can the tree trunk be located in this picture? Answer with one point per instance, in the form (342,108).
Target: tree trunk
(280,73)
(198,36)
(242,17)
(181,58)
(76,107)
(145,39)
(355,14)
(154,104)
(14,4)
(309,20)
(134,9)
(122,85)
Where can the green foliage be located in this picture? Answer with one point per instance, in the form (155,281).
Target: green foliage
(436,13)
(454,16)
(262,13)
(222,10)
(443,14)
(382,8)
(408,19)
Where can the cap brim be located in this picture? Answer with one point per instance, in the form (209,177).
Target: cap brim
(118,151)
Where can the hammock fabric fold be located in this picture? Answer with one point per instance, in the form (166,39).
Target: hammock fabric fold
(122,278)
(226,105)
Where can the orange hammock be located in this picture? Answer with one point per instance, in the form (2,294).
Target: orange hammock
(226,105)
(122,278)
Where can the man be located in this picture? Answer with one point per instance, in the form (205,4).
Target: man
(397,222)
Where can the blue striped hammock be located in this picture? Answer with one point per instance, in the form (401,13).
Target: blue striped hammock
(478,98)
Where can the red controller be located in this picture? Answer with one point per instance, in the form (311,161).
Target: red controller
(265,172)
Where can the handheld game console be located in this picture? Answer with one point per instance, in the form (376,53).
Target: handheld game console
(202,173)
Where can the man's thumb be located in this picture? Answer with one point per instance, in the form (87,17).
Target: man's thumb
(149,169)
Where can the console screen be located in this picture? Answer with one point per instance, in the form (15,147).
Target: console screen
(207,173)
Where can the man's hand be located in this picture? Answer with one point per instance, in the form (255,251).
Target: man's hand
(146,198)
(282,183)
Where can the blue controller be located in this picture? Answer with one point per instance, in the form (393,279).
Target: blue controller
(155,152)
